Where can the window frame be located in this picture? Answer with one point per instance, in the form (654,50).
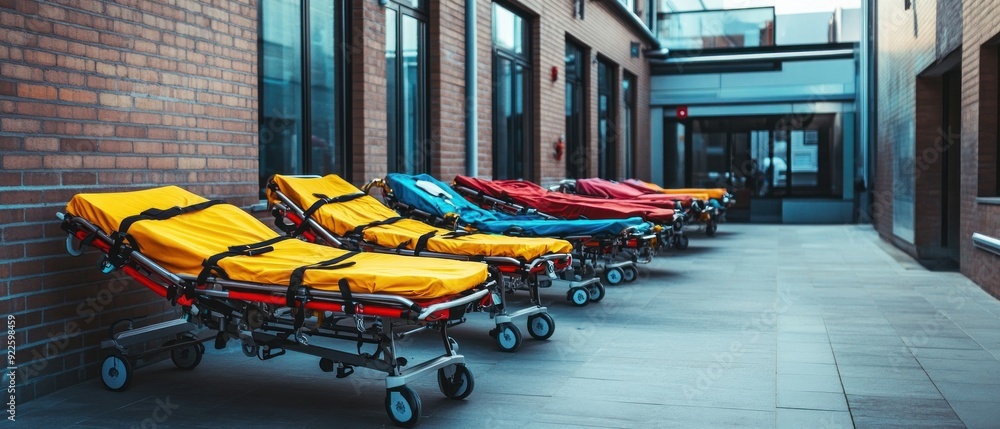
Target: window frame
(306,96)
(525,61)
(576,136)
(395,149)
(608,140)
(629,123)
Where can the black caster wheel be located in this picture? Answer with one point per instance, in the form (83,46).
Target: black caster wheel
(595,292)
(681,242)
(630,273)
(613,276)
(578,296)
(710,228)
(403,406)
(188,356)
(541,326)
(455,381)
(508,337)
(116,373)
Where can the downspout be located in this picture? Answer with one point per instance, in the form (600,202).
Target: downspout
(471,98)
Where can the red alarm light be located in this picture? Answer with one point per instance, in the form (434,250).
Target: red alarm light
(682,112)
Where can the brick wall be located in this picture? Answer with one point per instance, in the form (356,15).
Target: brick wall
(366,62)
(912,104)
(604,33)
(102,96)
(981,21)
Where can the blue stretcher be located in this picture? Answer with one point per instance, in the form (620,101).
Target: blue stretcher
(613,245)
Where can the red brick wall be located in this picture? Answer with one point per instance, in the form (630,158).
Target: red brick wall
(981,20)
(100,96)
(905,50)
(366,62)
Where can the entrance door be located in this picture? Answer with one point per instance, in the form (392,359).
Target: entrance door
(951,165)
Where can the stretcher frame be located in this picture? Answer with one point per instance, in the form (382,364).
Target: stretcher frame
(614,258)
(515,273)
(256,314)
(696,211)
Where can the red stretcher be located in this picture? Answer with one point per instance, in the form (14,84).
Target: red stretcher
(570,206)
(695,207)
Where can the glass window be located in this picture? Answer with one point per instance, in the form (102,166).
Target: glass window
(512,143)
(714,29)
(301,110)
(508,30)
(628,126)
(576,119)
(607,137)
(406,78)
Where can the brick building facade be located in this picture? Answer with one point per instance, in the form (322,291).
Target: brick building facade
(936,174)
(102,95)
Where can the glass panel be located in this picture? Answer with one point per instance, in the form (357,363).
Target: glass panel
(411,154)
(708,152)
(414,4)
(628,133)
(392,86)
(804,166)
(508,30)
(714,29)
(281,114)
(503,101)
(518,126)
(607,149)
(325,157)
(576,144)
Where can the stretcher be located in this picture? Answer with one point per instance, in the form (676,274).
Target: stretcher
(694,205)
(612,246)
(571,206)
(231,274)
(330,210)
(719,198)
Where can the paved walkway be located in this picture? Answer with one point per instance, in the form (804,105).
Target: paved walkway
(762,326)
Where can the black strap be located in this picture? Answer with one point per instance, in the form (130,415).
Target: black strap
(322,201)
(211,264)
(164,214)
(361,228)
(422,243)
(345,292)
(299,273)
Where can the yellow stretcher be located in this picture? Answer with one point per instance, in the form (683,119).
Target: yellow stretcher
(234,275)
(331,210)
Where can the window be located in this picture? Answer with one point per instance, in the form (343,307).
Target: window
(301,107)
(576,117)
(629,4)
(512,143)
(607,137)
(628,126)
(406,92)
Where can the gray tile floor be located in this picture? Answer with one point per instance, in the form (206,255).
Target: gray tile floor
(762,326)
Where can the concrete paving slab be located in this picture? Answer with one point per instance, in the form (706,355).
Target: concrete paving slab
(762,326)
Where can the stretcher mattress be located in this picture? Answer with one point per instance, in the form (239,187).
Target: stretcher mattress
(710,193)
(181,243)
(602,188)
(446,201)
(564,205)
(342,218)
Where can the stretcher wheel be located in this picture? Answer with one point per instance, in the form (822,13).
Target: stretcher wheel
(710,228)
(455,381)
(595,292)
(403,406)
(613,276)
(187,357)
(578,296)
(116,373)
(681,242)
(250,350)
(541,326)
(630,273)
(508,337)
